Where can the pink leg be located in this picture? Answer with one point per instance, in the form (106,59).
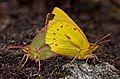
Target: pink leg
(92,56)
(74,58)
(39,66)
(25,60)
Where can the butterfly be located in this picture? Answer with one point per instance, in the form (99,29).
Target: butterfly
(66,38)
(37,49)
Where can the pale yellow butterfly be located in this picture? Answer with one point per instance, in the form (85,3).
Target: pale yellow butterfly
(66,38)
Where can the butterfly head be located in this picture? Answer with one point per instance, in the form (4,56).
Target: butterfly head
(93,47)
(26,49)
(32,53)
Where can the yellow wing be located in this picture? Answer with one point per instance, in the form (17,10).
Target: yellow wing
(64,36)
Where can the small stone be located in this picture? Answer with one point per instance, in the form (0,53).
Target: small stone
(81,70)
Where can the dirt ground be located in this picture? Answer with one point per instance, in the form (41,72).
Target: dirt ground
(19,20)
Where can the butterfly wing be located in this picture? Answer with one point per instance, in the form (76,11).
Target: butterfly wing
(38,50)
(63,35)
(61,15)
(38,40)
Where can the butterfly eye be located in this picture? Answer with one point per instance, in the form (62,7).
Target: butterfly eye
(26,48)
(92,46)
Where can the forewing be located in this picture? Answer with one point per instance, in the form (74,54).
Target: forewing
(63,35)
(62,16)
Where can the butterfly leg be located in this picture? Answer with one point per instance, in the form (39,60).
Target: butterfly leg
(95,57)
(88,57)
(25,60)
(74,58)
(52,72)
(92,56)
(39,66)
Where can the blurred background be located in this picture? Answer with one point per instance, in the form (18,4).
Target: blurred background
(20,20)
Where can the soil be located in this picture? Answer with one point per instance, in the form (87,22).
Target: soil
(20,20)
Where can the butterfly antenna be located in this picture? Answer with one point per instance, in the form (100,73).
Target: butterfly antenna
(74,58)
(100,41)
(14,47)
(103,42)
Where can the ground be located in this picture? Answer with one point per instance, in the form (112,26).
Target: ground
(20,20)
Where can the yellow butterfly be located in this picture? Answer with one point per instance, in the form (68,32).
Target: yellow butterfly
(37,49)
(66,38)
